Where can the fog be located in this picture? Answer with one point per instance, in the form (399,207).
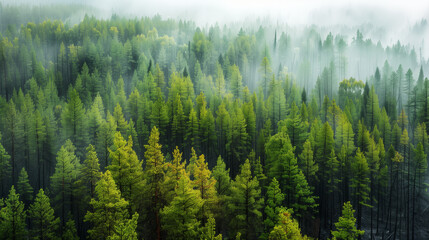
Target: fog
(382,20)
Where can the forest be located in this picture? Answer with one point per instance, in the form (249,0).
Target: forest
(161,128)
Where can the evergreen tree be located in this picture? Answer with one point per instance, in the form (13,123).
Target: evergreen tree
(205,184)
(245,203)
(360,183)
(235,82)
(126,229)
(74,121)
(5,168)
(13,217)
(273,206)
(154,174)
(105,136)
(126,169)
(44,223)
(90,173)
(265,70)
(296,129)
(346,225)
(70,232)
(180,217)
(62,181)
(173,174)
(109,208)
(307,164)
(287,228)
(23,187)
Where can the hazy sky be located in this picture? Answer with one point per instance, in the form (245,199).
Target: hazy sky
(395,17)
(292,11)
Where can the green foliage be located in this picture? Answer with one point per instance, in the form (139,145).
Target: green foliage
(273,206)
(180,217)
(5,166)
(126,169)
(346,225)
(90,173)
(13,217)
(67,170)
(245,203)
(287,228)
(23,186)
(44,223)
(108,208)
(126,229)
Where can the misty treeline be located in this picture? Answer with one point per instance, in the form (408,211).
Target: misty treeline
(157,129)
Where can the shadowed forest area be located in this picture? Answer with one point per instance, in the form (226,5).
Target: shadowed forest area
(162,128)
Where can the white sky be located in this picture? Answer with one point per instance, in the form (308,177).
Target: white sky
(292,11)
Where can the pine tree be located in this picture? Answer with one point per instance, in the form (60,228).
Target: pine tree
(44,223)
(245,203)
(154,174)
(419,168)
(273,206)
(121,123)
(90,173)
(222,127)
(360,183)
(13,217)
(219,82)
(62,181)
(173,174)
(126,229)
(70,232)
(346,225)
(180,217)
(40,135)
(235,82)
(286,228)
(109,208)
(11,123)
(209,231)
(296,129)
(205,184)
(192,126)
(307,164)
(5,168)
(221,174)
(207,134)
(74,121)
(126,169)
(23,187)
(372,109)
(265,70)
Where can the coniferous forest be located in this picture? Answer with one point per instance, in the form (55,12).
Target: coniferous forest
(161,128)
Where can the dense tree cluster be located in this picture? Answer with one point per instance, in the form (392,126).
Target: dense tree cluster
(157,129)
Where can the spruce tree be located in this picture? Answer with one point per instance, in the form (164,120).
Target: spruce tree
(245,204)
(126,229)
(62,181)
(109,208)
(179,219)
(286,228)
(5,168)
(90,173)
(346,225)
(126,169)
(44,223)
(23,187)
(13,217)
(273,206)
(360,183)
(204,182)
(154,174)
